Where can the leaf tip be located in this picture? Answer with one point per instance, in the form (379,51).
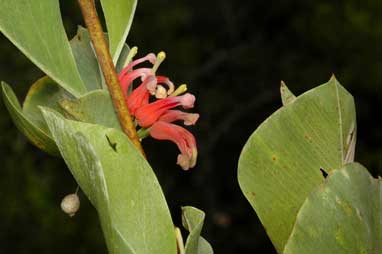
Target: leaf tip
(333,79)
(4,87)
(49,113)
(287,96)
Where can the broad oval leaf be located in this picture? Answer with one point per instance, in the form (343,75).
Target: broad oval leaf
(118,16)
(120,184)
(280,163)
(342,216)
(36,28)
(28,124)
(193,220)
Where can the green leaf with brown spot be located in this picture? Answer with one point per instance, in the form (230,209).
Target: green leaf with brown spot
(280,163)
(342,216)
(287,96)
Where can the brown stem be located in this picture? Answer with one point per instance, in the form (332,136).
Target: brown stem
(94,27)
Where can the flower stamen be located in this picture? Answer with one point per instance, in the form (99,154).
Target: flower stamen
(132,53)
(180,90)
(160,58)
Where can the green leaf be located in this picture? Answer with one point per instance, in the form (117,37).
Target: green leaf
(36,28)
(120,184)
(342,216)
(95,107)
(287,96)
(119,16)
(204,247)
(33,130)
(44,92)
(87,62)
(86,59)
(192,220)
(280,163)
(122,58)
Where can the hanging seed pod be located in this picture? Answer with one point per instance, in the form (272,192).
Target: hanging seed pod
(70,204)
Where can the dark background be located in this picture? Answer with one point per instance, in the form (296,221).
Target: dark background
(233,55)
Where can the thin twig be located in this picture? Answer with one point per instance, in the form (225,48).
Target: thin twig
(94,27)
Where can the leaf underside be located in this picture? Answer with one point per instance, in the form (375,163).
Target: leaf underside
(118,16)
(120,184)
(280,163)
(36,28)
(342,216)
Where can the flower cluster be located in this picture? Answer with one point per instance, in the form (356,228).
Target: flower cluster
(152,103)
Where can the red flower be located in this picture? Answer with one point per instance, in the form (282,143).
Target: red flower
(181,137)
(157,116)
(175,115)
(150,113)
(140,96)
(161,91)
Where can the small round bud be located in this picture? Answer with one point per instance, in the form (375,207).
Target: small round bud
(70,204)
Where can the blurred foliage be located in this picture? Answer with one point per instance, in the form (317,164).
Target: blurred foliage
(233,55)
